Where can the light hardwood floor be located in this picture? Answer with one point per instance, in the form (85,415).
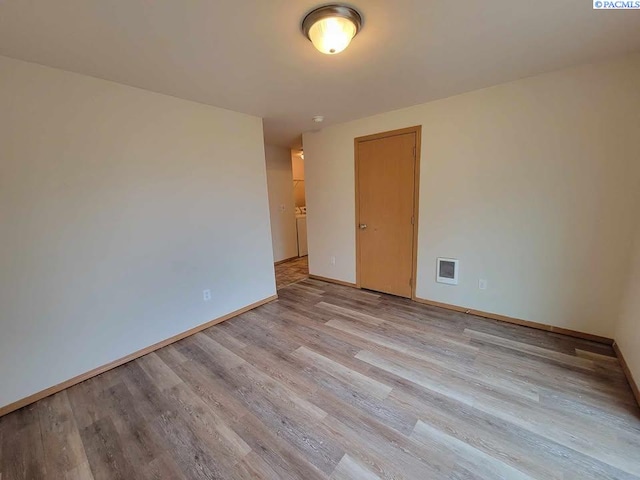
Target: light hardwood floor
(335,382)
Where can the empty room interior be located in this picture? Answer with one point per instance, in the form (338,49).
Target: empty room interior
(369,240)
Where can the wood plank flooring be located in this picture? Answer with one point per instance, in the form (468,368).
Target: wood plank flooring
(331,382)
(292,271)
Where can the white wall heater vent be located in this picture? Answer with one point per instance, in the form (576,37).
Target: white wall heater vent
(447,271)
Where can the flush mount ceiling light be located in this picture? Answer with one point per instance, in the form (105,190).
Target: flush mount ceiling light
(332,27)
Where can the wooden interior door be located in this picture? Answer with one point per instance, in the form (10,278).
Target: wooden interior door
(386,197)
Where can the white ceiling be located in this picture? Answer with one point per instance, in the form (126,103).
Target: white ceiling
(249,55)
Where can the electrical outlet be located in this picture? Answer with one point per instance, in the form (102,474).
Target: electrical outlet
(482,284)
(333,260)
(206,295)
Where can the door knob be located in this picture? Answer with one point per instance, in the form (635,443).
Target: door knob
(363,226)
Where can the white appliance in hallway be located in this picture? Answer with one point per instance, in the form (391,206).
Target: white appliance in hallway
(301,224)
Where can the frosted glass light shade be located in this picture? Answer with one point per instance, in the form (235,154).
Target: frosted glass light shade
(332,27)
(332,35)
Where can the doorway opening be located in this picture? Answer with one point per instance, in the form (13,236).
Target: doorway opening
(287,208)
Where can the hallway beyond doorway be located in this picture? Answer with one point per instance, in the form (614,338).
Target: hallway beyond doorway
(292,271)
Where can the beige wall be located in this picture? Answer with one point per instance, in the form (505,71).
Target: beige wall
(628,330)
(281,204)
(528,184)
(118,207)
(299,194)
(297,164)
